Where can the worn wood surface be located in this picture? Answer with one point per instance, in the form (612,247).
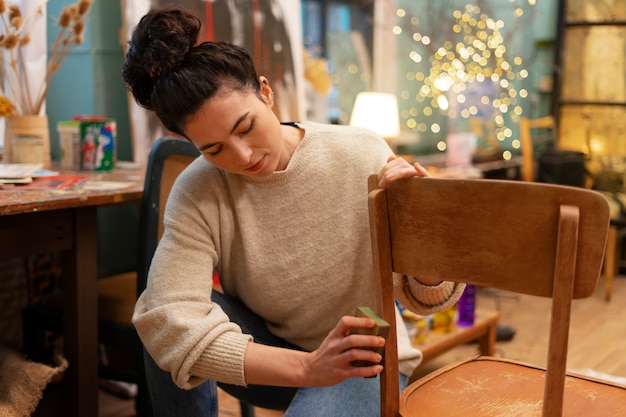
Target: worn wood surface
(14,200)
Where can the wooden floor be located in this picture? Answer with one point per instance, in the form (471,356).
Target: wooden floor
(597,340)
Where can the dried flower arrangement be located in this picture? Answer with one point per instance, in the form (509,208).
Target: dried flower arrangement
(15,30)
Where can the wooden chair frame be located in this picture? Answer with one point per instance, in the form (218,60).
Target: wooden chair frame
(538,239)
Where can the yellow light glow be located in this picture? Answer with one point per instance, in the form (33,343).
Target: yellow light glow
(443,83)
(376,111)
(477,54)
(415,57)
(442,101)
(441,145)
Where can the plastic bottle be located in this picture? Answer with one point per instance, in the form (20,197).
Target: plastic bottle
(466,307)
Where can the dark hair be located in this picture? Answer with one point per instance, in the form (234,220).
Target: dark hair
(167,72)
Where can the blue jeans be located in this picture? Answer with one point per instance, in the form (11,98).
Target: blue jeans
(358,397)
(354,397)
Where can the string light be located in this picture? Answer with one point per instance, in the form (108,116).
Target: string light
(474,62)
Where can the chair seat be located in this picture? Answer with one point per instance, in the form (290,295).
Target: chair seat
(496,387)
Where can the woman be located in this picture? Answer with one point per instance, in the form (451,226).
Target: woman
(280,210)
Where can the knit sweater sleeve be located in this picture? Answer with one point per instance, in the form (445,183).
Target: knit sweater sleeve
(426,299)
(184,332)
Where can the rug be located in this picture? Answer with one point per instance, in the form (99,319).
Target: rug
(22,382)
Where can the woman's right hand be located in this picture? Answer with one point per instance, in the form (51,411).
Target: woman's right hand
(327,365)
(331,362)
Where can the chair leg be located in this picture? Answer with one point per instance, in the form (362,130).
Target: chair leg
(246,409)
(610,262)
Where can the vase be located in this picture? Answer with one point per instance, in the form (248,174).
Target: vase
(27,140)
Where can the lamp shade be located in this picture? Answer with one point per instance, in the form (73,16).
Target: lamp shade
(377,112)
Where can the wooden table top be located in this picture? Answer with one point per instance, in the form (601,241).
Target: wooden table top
(16,200)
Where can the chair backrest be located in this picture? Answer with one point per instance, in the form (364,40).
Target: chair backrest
(168,158)
(532,238)
(526,126)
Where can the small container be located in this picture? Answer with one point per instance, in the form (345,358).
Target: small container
(69,133)
(97,143)
(28,149)
(443,321)
(422,328)
(466,307)
(30,132)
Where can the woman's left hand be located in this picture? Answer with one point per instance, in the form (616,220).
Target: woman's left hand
(397,168)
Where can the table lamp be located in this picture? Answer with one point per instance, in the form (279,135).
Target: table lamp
(377,112)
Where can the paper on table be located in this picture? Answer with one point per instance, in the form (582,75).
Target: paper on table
(105,185)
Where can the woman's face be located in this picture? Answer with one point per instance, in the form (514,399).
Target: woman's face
(238,132)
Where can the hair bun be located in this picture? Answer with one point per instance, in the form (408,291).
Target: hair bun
(158,45)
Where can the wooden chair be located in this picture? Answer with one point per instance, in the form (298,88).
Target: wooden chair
(528,156)
(532,238)
(168,158)
(618,224)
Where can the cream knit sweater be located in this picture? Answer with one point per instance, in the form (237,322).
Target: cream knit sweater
(294,247)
